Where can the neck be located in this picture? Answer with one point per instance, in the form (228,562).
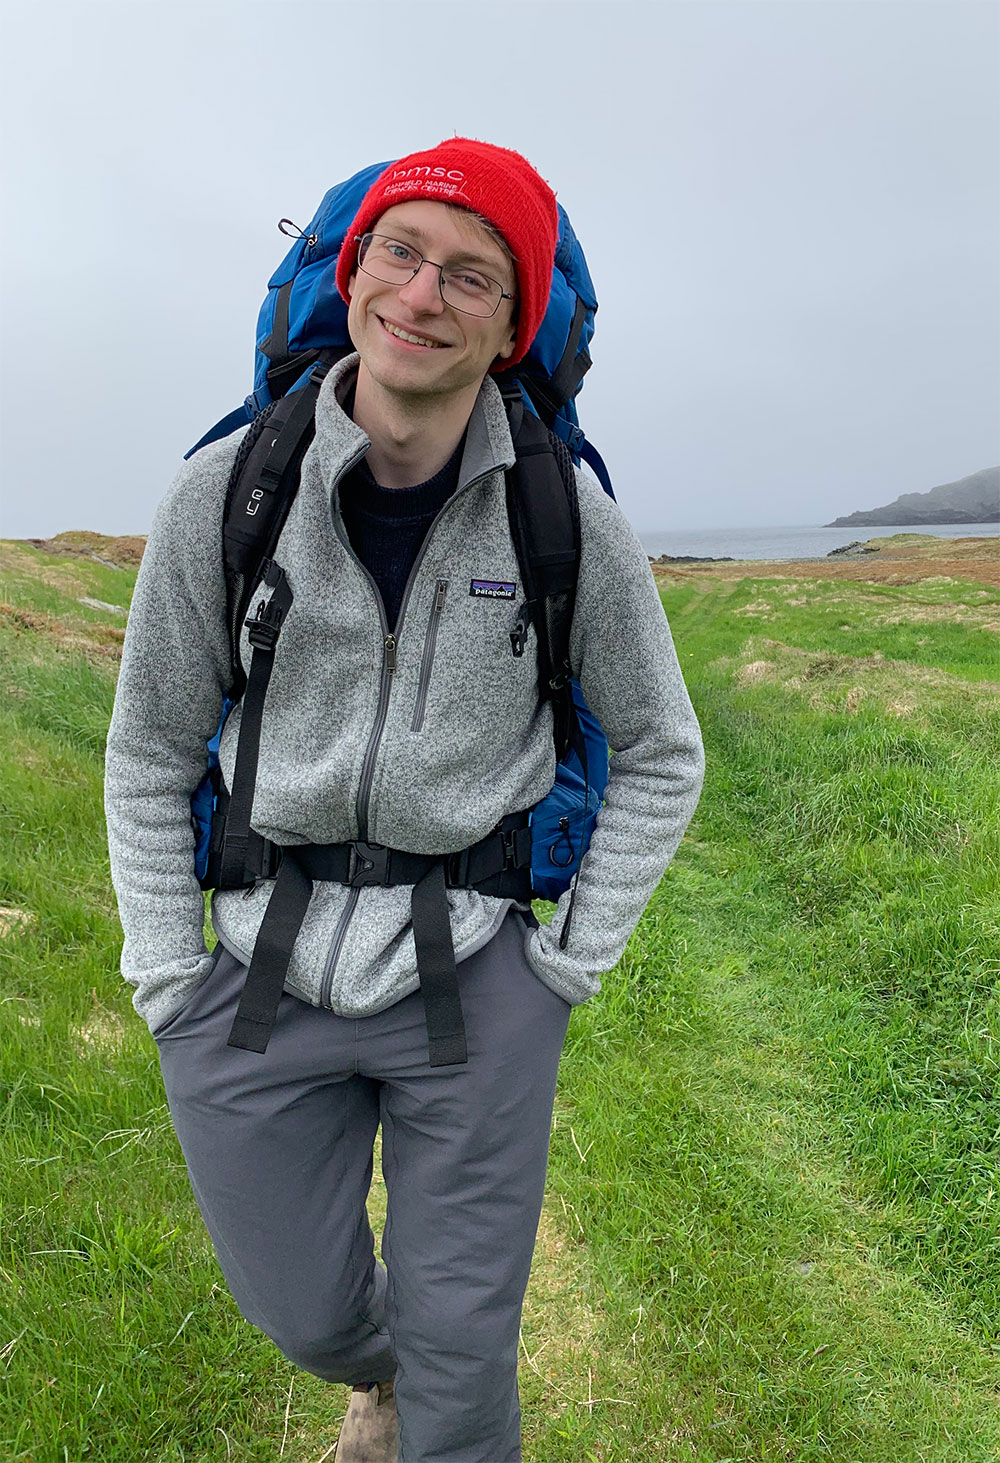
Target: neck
(412,437)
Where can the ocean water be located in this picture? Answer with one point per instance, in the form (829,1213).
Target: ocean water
(789,543)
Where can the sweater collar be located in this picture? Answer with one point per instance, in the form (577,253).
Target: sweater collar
(340,441)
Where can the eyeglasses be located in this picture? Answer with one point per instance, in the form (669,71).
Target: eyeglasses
(396,263)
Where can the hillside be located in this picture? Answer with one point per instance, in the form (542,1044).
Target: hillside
(124,552)
(972,499)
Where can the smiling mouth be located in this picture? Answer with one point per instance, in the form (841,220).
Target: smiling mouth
(410,338)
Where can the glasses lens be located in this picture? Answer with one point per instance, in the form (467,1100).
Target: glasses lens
(471,291)
(387,259)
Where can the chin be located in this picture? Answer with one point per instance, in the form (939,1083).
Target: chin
(408,383)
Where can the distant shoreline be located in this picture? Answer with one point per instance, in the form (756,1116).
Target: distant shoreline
(795,543)
(901,558)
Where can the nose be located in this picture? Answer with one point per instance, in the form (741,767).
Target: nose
(423,292)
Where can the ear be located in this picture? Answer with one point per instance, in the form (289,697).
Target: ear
(350,282)
(507,350)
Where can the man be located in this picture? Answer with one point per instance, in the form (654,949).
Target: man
(396,715)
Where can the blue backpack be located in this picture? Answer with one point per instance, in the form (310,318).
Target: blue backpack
(301,331)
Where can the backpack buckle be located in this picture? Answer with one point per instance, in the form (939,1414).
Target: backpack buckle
(264,628)
(571,434)
(517,847)
(368,864)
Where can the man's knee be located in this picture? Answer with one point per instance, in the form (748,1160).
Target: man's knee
(332,1357)
(361,1354)
(347,1344)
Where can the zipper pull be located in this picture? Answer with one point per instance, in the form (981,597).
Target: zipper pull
(390,653)
(442,590)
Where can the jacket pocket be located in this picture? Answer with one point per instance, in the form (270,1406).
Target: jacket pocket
(427,660)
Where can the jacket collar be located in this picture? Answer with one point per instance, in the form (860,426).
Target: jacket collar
(339,441)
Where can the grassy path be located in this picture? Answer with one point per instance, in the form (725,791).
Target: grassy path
(773,1222)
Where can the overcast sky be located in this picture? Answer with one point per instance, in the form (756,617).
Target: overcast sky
(820,180)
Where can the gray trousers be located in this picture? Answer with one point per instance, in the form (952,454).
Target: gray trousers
(278,1147)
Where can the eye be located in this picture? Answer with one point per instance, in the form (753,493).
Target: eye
(399,251)
(473,283)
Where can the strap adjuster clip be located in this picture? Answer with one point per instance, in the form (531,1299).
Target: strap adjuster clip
(264,628)
(517,847)
(368,864)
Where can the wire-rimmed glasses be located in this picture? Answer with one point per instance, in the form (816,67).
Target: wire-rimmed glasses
(463,287)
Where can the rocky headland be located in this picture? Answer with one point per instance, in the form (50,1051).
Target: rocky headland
(972,499)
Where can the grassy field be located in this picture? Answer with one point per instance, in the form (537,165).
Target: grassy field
(773,1223)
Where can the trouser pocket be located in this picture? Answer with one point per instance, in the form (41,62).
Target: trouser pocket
(184,1012)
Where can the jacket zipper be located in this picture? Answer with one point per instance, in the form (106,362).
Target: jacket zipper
(371,753)
(426,664)
(388,667)
(340,933)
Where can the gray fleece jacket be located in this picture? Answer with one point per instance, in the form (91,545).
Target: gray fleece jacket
(420,736)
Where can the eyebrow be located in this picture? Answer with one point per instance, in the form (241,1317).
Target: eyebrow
(464,256)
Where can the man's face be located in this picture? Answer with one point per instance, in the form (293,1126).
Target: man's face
(461,348)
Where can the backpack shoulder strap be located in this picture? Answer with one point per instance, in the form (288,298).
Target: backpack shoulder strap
(544,519)
(544,516)
(261,490)
(262,487)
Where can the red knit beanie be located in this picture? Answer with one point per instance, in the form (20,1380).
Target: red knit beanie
(494,181)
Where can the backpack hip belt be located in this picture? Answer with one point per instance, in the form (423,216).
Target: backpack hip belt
(498,865)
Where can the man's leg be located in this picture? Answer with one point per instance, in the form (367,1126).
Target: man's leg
(464,1152)
(279,1151)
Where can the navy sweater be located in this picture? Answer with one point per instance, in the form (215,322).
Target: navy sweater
(386,526)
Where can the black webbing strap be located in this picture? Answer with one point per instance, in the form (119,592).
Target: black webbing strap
(544,517)
(287,365)
(567,377)
(241,846)
(258,503)
(265,980)
(275,347)
(280,378)
(499,864)
(436,968)
(541,508)
(496,865)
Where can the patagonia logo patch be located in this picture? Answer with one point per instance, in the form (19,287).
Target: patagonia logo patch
(492,589)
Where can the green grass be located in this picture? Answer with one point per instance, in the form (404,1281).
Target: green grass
(845,617)
(773,1228)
